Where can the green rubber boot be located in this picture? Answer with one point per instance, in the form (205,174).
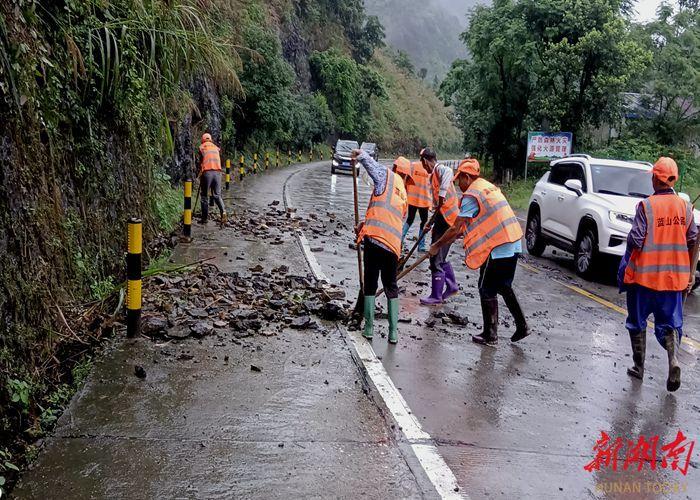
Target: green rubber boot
(369,317)
(393,321)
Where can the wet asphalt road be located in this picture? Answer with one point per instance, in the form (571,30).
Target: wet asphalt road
(520,421)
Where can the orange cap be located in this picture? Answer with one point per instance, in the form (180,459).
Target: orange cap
(403,165)
(469,166)
(666,170)
(206,138)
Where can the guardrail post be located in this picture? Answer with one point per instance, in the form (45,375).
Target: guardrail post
(228,175)
(267,160)
(187,212)
(133,276)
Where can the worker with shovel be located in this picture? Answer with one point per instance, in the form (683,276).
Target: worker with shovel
(417,182)
(210,177)
(445,203)
(656,270)
(380,234)
(492,244)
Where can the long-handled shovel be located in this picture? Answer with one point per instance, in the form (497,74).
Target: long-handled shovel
(693,260)
(403,273)
(360,304)
(422,235)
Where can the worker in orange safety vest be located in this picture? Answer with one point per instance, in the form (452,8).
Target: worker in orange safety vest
(492,244)
(656,268)
(380,233)
(210,177)
(420,199)
(445,202)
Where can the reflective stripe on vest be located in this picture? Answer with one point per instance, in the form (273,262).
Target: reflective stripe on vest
(449,209)
(211,159)
(418,190)
(663,263)
(385,214)
(494,225)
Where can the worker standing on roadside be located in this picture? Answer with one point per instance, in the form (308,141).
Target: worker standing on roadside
(444,199)
(492,244)
(655,270)
(417,181)
(210,177)
(381,234)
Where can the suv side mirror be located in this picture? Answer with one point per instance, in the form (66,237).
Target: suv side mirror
(575,186)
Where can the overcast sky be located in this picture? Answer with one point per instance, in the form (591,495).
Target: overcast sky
(646,9)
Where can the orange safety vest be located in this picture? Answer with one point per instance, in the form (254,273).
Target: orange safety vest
(385,214)
(418,190)
(449,209)
(494,225)
(211,159)
(663,263)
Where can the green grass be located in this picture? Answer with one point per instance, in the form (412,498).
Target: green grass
(518,192)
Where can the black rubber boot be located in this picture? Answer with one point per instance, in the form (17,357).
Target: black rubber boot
(674,369)
(639,347)
(489,310)
(521,328)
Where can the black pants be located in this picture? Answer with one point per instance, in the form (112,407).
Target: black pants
(378,261)
(423,212)
(496,276)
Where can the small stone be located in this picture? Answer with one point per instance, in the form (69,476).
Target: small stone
(201,329)
(254,368)
(139,371)
(301,322)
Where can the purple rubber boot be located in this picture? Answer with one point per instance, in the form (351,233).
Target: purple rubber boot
(436,295)
(451,286)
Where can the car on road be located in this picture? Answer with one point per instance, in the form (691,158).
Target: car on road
(586,206)
(340,162)
(372,149)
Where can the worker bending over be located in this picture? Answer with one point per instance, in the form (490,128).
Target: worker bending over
(381,234)
(444,199)
(492,244)
(655,270)
(210,177)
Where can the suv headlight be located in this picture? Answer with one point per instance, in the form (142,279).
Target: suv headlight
(618,217)
(335,162)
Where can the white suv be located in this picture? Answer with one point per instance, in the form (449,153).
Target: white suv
(586,206)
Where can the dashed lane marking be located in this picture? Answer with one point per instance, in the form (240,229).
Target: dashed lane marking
(600,300)
(424,447)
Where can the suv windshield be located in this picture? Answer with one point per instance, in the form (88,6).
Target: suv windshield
(344,148)
(621,181)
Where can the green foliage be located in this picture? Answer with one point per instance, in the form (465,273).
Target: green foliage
(671,84)
(552,64)
(166,202)
(19,391)
(403,62)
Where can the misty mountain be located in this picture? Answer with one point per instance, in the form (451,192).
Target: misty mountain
(427,30)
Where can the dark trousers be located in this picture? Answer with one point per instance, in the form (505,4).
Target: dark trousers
(211,181)
(423,212)
(496,276)
(380,261)
(437,262)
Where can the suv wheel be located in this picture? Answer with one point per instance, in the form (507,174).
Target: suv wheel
(533,235)
(586,253)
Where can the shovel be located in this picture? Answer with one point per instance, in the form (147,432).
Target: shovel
(403,273)
(693,261)
(360,304)
(422,235)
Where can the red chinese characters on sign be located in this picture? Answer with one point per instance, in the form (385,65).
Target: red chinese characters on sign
(619,454)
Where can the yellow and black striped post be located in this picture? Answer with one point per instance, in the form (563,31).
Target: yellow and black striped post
(289,157)
(320,152)
(311,155)
(241,167)
(133,277)
(187,213)
(255,163)
(299,156)
(228,175)
(277,158)
(267,160)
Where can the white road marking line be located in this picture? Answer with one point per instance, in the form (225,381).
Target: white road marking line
(436,469)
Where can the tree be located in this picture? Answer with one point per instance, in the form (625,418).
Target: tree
(672,82)
(403,62)
(422,73)
(551,64)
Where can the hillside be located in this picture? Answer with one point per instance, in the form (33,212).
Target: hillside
(427,30)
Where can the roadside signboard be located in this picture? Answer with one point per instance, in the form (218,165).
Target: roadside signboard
(547,146)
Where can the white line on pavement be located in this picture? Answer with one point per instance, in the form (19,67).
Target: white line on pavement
(436,469)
